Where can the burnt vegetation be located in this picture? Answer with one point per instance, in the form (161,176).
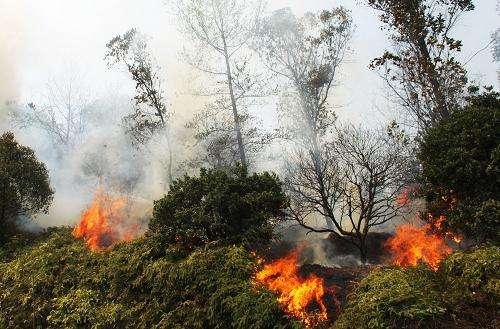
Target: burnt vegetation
(231,244)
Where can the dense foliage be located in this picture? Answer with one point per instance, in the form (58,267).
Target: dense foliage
(460,160)
(464,293)
(24,184)
(225,207)
(60,284)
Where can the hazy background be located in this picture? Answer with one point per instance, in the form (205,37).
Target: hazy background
(42,40)
(39,39)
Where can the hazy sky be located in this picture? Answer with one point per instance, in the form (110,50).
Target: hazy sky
(40,39)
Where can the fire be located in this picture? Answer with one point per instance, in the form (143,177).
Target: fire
(103,223)
(296,294)
(406,196)
(412,245)
(438,224)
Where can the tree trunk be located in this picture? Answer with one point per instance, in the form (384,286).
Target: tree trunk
(237,126)
(362,251)
(169,165)
(441,106)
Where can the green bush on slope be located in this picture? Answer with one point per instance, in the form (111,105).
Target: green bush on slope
(218,206)
(463,293)
(59,283)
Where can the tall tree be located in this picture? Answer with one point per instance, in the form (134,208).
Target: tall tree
(348,176)
(213,129)
(306,54)
(221,28)
(151,115)
(421,70)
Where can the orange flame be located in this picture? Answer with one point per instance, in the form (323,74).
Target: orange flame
(438,224)
(296,294)
(412,245)
(102,225)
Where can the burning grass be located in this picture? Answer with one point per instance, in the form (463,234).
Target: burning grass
(462,293)
(60,284)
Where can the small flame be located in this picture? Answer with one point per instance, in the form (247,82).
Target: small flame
(438,224)
(103,223)
(412,245)
(296,294)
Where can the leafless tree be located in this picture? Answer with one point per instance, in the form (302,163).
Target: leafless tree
(221,29)
(355,186)
(151,115)
(348,176)
(60,112)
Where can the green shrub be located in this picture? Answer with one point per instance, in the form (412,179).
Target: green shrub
(393,298)
(25,187)
(467,274)
(463,293)
(60,284)
(228,208)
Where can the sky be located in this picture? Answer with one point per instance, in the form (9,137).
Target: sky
(42,39)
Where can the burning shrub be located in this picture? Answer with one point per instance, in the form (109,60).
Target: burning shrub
(412,245)
(295,293)
(460,160)
(230,208)
(61,284)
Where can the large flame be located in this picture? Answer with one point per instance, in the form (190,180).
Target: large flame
(296,294)
(103,223)
(412,244)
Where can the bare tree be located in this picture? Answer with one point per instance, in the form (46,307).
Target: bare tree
(422,71)
(355,187)
(221,29)
(151,115)
(496,48)
(350,177)
(60,112)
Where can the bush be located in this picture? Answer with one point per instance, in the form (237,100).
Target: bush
(60,284)
(25,187)
(473,275)
(393,298)
(228,208)
(460,160)
(463,293)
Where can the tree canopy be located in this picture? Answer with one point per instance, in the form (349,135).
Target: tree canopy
(460,167)
(217,206)
(24,184)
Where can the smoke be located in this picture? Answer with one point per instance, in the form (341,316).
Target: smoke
(103,154)
(11,41)
(316,248)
